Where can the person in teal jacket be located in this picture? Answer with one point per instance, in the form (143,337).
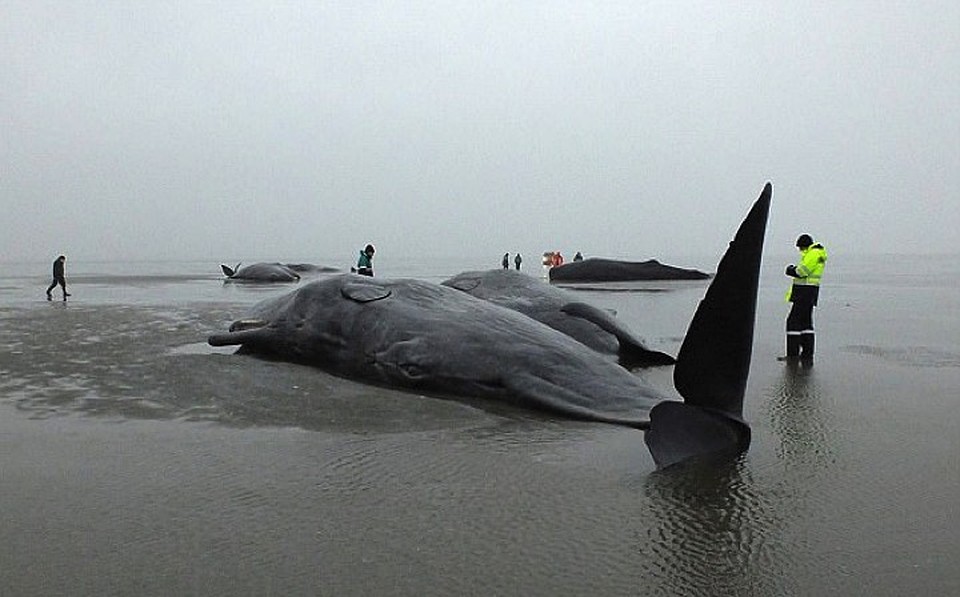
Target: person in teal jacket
(803,294)
(365,261)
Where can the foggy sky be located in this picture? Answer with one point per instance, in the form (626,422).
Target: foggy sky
(303,130)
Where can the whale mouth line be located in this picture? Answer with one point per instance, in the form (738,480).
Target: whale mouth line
(247,324)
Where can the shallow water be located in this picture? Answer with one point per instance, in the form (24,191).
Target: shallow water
(135,459)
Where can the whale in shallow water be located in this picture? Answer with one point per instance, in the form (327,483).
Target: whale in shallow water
(560,310)
(260,272)
(612,270)
(273,272)
(435,339)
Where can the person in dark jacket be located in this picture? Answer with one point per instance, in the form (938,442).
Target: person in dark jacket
(58,278)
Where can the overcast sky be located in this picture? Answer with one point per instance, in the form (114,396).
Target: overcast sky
(302,130)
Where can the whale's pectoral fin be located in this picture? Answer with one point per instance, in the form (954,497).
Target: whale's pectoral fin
(632,350)
(364,293)
(679,431)
(227,270)
(602,318)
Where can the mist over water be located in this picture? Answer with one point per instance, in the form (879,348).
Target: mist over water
(136,459)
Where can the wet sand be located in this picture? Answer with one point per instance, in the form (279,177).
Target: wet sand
(134,459)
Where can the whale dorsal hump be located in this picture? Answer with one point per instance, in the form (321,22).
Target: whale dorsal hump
(364,293)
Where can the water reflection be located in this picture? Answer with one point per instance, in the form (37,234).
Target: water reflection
(800,420)
(714,532)
(731,528)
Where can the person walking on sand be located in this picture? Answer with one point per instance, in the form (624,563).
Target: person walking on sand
(58,278)
(803,294)
(506,261)
(517,261)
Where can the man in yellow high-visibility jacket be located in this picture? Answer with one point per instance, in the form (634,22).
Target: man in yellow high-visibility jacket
(803,294)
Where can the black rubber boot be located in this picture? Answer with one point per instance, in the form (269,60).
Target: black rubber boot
(807,343)
(793,348)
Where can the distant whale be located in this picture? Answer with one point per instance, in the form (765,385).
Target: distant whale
(434,339)
(272,272)
(560,310)
(310,268)
(611,270)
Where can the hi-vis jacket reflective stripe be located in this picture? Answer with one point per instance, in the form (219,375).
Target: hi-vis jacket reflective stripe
(810,268)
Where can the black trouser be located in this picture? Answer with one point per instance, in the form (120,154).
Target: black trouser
(800,330)
(61,281)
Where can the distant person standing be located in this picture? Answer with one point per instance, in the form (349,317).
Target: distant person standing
(803,293)
(506,261)
(517,261)
(365,261)
(578,256)
(58,278)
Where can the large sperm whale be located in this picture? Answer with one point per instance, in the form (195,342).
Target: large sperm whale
(434,339)
(597,269)
(260,272)
(273,272)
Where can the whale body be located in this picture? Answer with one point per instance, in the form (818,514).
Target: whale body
(612,270)
(432,338)
(273,272)
(560,310)
(260,272)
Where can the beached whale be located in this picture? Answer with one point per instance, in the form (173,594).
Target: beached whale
(260,272)
(273,272)
(612,270)
(560,310)
(435,339)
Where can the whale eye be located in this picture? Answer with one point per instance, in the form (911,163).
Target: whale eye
(412,371)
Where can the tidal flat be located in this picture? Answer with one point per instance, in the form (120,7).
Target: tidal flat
(136,459)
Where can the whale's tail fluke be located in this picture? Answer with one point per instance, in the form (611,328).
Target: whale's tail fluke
(229,271)
(714,359)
